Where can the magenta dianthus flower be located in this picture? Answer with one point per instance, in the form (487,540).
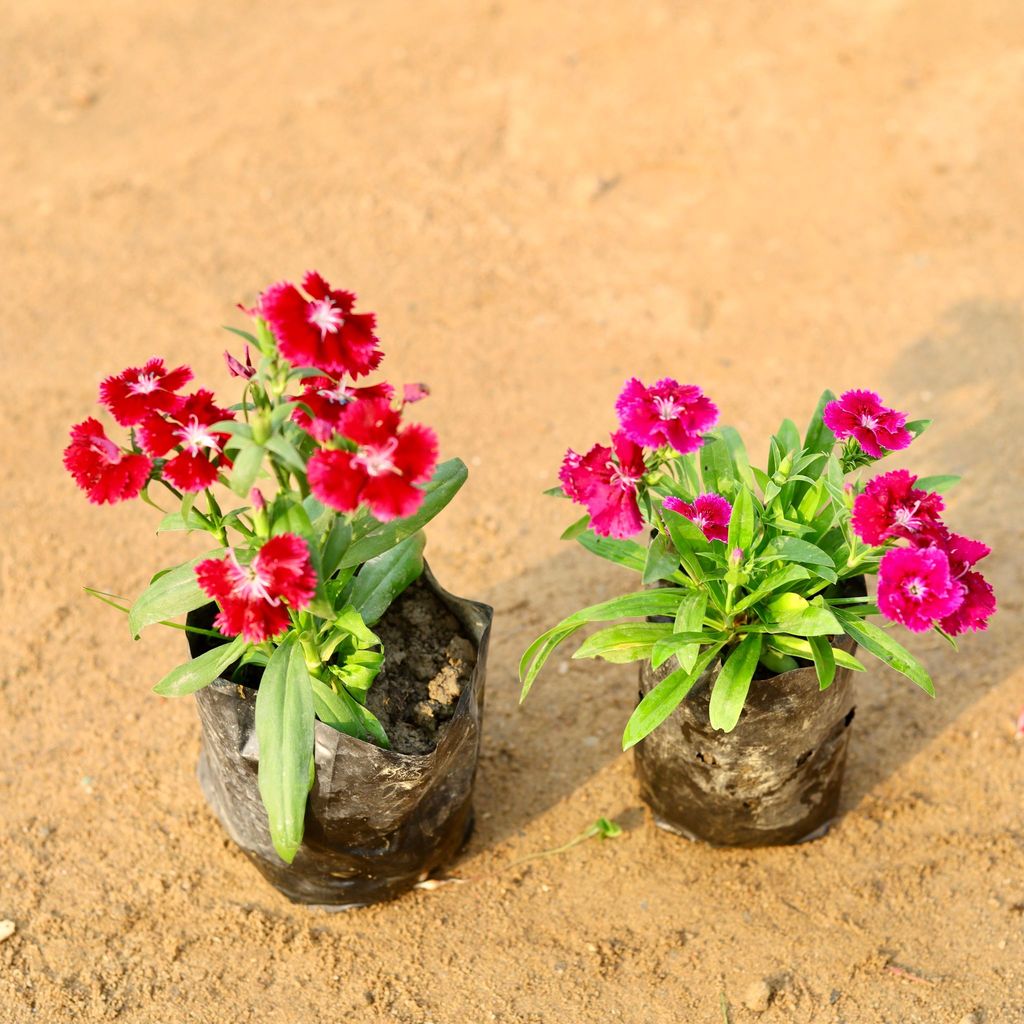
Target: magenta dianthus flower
(892,507)
(711,512)
(665,413)
(917,589)
(861,415)
(607,486)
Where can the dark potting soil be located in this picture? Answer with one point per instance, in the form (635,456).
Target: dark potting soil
(428,660)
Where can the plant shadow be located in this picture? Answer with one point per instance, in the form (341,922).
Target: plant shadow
(967,373)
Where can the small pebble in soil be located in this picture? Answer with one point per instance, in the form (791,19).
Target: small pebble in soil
(757,996)
(974,1017)
(7,929)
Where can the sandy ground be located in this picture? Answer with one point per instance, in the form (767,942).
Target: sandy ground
(538,200)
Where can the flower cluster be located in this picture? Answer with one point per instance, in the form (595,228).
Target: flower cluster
(147,400)
(664,418)
(352,452)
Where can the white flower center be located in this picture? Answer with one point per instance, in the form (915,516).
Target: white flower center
(623,480)
(145,385)
(339,394)
(867,421)
(248,583)
(105,447)
(701,520)
(668,408)
(323,313)
(915,588)
(195,437)
(378,461)
(907,517)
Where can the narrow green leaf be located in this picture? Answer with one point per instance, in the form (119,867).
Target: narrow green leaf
(658,601)
(201,670)
(684,645)
(383,578)
(941,483)
(738,454)
(800,647)
(876,641)
(573,531)
(172,593)
(660,702)
(246,468)
(733,682)
(824,661)
(341,711)
(716,468)
(818,437)
(632,641)
(792,549)
(443,486)
(662,560)
(689,619)
(741,522)
(773,581)
(622,552)
(284,730)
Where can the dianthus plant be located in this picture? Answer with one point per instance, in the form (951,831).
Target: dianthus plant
(335,488)
(744,570)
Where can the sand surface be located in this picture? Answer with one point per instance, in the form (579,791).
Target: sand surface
(538,200)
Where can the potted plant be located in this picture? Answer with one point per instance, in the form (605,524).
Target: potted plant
(339,687)
(752,601)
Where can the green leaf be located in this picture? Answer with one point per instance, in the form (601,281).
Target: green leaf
(685,646)
(812,619)
(876,641)
(801,648)
(824,661)
(247,463)
(632,641)
(773,581)
(286,452)
(335,545)
(175,521)
(573,531)
(918,427)
(733,682)
(383,578)
(341,711)
(622,552)
(689,619)
(662,560)
(738,454)
(659,601)
(201,670)
(741,522)
(284,730)
(820,438)
(717,469)
(941,483)
(792,549)
(172,593)
(660,702)
(443,486)
(358,672)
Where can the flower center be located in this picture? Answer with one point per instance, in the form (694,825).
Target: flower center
(196,436)
(701,520)
(323,313)
(668,408)
(145,385)
(915,588)
(867,421)
(249,584)
(907,517)
(105,447)
(378,460)
(621,479)
(339,394)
